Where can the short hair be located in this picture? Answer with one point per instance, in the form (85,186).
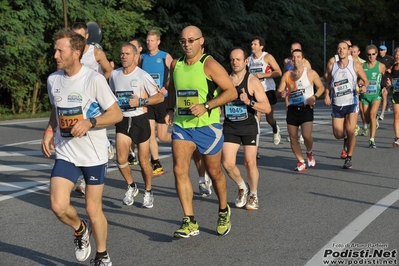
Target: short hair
(154,33)
(240,48)
(297,50)
(371,46)
(137,40)
(77,41)
(80,25)
(396,50)
(260,39)
(135,51)
(355,46)
(345,41)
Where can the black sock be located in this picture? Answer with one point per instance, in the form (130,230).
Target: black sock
(192,218)
(274,127)
(223,210)
(132,184)
(349,157)
(153,161)
(345,140)
(82,228)
(100,255)
(149,191)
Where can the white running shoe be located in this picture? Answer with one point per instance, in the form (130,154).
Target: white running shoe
(241,199)
(81,186)
(277,136)
(82,243)
(102,261)
(130,194)
(311,160)
(252,203)
(148,200)
(205,188)
(111,150)
(301,140)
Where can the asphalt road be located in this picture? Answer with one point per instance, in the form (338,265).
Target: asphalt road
(303,219)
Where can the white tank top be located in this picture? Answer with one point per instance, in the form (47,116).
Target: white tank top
(89,59)
(301,90)
(260,66)
(343,83)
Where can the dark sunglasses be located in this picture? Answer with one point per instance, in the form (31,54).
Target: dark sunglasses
(183,41)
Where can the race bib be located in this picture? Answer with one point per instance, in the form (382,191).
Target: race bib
(157,78)
(186,98)
(341,88)
(395,84)
(297,98)
(67,118)
(372,88)
(236,110)
(123,100)
(256,70)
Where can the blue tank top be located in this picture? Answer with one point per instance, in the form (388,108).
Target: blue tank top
(155,66)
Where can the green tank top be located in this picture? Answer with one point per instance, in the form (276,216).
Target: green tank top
(374,76)
(193,87)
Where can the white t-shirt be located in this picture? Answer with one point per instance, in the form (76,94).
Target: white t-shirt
(137,82)
(81,96)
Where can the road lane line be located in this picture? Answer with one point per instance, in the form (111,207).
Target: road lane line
(23,192)
(353,229)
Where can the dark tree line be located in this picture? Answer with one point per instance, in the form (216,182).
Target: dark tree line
(26,29)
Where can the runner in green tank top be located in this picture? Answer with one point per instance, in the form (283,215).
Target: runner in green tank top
(371,99)
(196,125)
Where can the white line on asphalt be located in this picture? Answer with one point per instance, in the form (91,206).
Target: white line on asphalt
(353,229)
(14,186)
(20,153)
(25,167)
(23,192)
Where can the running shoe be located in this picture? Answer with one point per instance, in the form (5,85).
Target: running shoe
(381,117)
(347,164)
(187,229)
(130,194)
(102,261)
(252,203)
(396,143)
(277,136)
(300,167)
(132,159)
(357,129)
(301,140)
(157,168)
(111,151)
(365,132)
(372,144)
(311,160)
(241,199)
(148,200)
(81,186)
(224,225)
(82,243)
(205,188)
(344,154)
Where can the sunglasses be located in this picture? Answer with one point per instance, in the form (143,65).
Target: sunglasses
(371,54)
(183,41)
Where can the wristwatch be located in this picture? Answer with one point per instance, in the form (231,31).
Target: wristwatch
(252,103)
(206,105)
(93,121)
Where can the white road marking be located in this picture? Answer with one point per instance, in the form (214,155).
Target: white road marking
(353,229)
(23,192)
(14,186)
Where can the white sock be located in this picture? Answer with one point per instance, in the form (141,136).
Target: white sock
(207,178)
(242,185)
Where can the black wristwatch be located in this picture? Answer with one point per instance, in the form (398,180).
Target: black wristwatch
(252,103)
(206,105)
(93,122)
